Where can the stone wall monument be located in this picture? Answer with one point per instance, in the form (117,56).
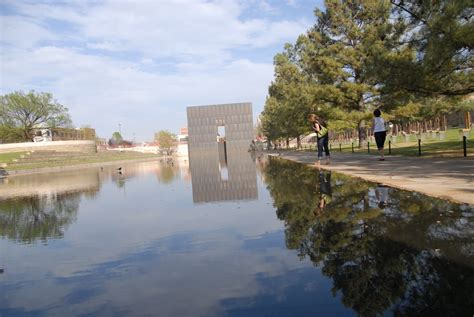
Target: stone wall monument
(203,123)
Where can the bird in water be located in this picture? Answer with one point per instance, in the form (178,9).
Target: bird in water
(3,172)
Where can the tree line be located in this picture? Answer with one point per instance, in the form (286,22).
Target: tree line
(409,58)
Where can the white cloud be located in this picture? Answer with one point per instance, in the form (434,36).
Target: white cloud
(101,91)
(168,28)
(140,62)
(22,32)
(292,3)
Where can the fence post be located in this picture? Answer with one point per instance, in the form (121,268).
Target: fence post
(464,145)
(389,146)
(419,147)
(368,147)
(352,147)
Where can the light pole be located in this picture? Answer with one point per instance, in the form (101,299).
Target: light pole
(120,128)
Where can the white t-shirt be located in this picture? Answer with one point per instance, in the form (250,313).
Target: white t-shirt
(379,124)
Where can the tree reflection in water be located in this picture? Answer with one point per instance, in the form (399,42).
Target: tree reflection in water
(35,218)
(411,254)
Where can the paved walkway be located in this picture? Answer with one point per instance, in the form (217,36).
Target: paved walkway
(448,178)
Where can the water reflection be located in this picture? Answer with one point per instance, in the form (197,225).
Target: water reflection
(222,174)
(38,218)
(154,251)
(42,206)
(36,207)
(384,249)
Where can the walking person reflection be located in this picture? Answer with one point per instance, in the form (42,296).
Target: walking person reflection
(325,191)
(381,193)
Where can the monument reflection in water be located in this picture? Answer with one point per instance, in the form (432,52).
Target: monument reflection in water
(221,169)
(221,173)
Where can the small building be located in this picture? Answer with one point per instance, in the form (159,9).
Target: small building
(183,135)
(182,147)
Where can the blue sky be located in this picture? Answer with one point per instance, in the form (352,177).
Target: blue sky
(141,63)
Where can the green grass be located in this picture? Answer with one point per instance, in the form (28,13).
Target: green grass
(100,157)
(8,157)
(451,145)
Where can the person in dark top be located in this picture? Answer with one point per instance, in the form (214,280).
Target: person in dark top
(319,127)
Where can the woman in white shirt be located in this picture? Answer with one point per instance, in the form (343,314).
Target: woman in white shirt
(379,132)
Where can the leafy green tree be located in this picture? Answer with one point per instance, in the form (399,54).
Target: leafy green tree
(398,55)
(31,110)
(290,91)
(434,57)
(271,125)
(117,137)
(166,139)
(339,54)
(10,134)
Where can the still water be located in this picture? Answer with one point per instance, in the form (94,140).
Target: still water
(256,237)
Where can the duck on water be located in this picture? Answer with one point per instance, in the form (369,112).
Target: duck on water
(3,173)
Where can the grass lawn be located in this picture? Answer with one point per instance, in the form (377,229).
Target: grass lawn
(8,157)
(103,156)
(451,145)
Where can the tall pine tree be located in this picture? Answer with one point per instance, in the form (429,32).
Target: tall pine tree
(338,54)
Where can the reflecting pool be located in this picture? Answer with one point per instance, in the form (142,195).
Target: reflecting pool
(234,236)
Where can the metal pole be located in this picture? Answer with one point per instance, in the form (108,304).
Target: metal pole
(464,145)
(340,147)
(389,146)
(352,147)
(368,147)
(225,151)
(419,147)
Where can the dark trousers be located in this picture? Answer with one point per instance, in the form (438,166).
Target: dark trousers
(323,143)
(380,139)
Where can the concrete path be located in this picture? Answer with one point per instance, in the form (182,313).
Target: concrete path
(447,178)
